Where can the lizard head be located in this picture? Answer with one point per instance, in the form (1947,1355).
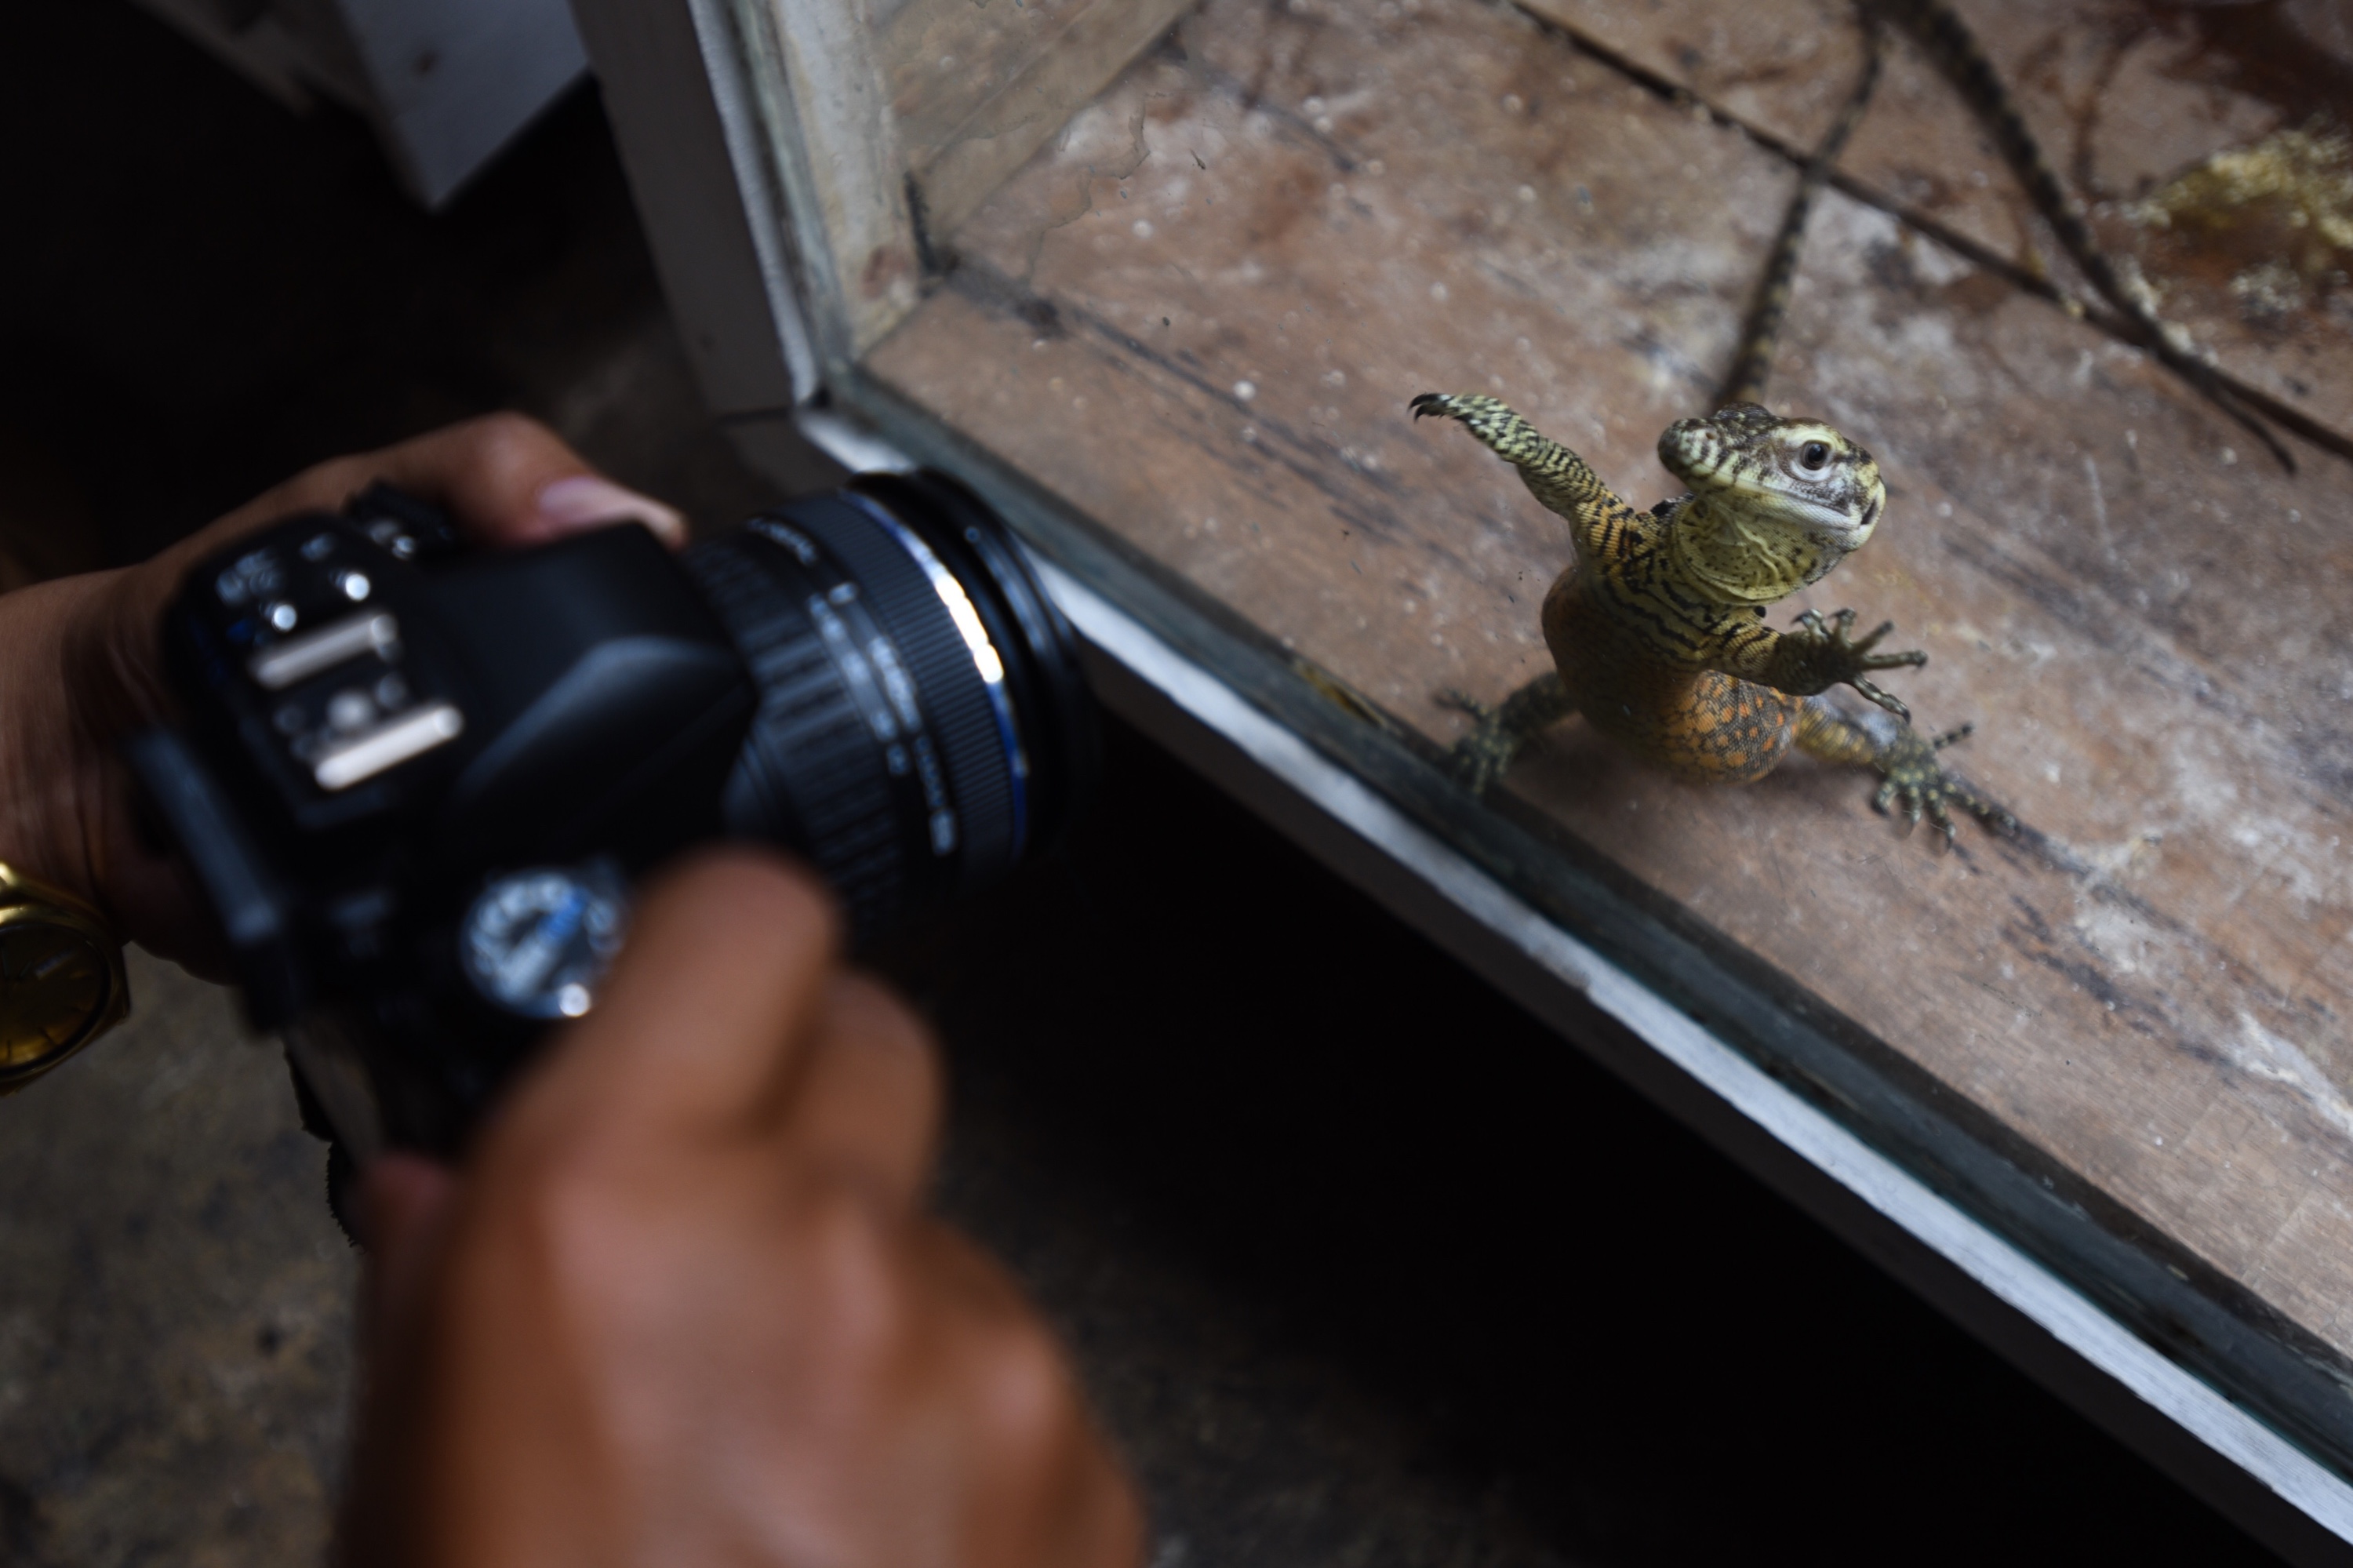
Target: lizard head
(1775,502)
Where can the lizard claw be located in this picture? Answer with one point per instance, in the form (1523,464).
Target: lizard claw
(1838,658)
(1484,756)
(1464,406)
(1911,776)
(1450,697)
(1500,732)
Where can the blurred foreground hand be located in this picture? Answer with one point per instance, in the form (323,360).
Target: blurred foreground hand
(683,1307)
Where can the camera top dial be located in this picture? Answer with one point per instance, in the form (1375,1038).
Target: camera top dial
(536,943)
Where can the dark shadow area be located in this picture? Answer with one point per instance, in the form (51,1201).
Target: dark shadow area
(202,293)
(1450,1258)
(1362,1264)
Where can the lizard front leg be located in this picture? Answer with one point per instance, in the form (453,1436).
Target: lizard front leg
(1559,479)
(1906,762)
(1565,485)
(1815,657)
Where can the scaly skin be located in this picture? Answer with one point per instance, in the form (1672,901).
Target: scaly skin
(1657,630)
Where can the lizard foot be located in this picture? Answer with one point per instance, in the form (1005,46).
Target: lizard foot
(1502,732)
(1483,757)
(1836,658)
(1910,774)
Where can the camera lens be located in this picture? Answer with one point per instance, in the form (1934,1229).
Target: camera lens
(921,725)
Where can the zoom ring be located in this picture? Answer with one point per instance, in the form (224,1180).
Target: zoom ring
(809,775)
(956,701)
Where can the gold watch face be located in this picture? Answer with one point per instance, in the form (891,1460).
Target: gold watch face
(54,981)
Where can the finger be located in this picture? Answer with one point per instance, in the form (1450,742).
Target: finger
(512,480)
(408,1203)
(707,1017)
(405,1205)
(866,1108)
(1052,1493)
(507,480)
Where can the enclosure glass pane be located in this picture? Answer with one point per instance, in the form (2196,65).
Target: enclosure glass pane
(1193,309)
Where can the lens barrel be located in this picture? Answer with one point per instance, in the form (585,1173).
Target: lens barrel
(923,727)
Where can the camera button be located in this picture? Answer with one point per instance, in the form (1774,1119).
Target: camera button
(389,744)
(281,664)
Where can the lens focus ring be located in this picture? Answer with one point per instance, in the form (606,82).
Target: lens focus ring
(956,699)
(810,774)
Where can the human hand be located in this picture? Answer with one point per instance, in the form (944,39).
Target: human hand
(682,1305)
(80,664)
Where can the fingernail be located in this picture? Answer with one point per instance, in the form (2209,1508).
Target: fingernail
(587,501)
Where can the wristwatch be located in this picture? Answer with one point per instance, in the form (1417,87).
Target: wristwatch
(62,983)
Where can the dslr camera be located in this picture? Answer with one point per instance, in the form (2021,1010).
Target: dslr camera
(416,781)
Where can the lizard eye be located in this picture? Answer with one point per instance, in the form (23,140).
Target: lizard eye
(1813,458)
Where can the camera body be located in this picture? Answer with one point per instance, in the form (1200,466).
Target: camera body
(416,781)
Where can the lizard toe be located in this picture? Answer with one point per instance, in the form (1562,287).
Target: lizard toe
(1885,698)
(1463,702)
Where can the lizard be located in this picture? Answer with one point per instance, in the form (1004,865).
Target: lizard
(1657,628)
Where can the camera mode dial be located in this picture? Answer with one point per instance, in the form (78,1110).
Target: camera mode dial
(536,943)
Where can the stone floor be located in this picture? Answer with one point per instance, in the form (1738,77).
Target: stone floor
(175,1302)
(1361,1265)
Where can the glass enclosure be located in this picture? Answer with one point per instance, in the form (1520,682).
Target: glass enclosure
(1162,279)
